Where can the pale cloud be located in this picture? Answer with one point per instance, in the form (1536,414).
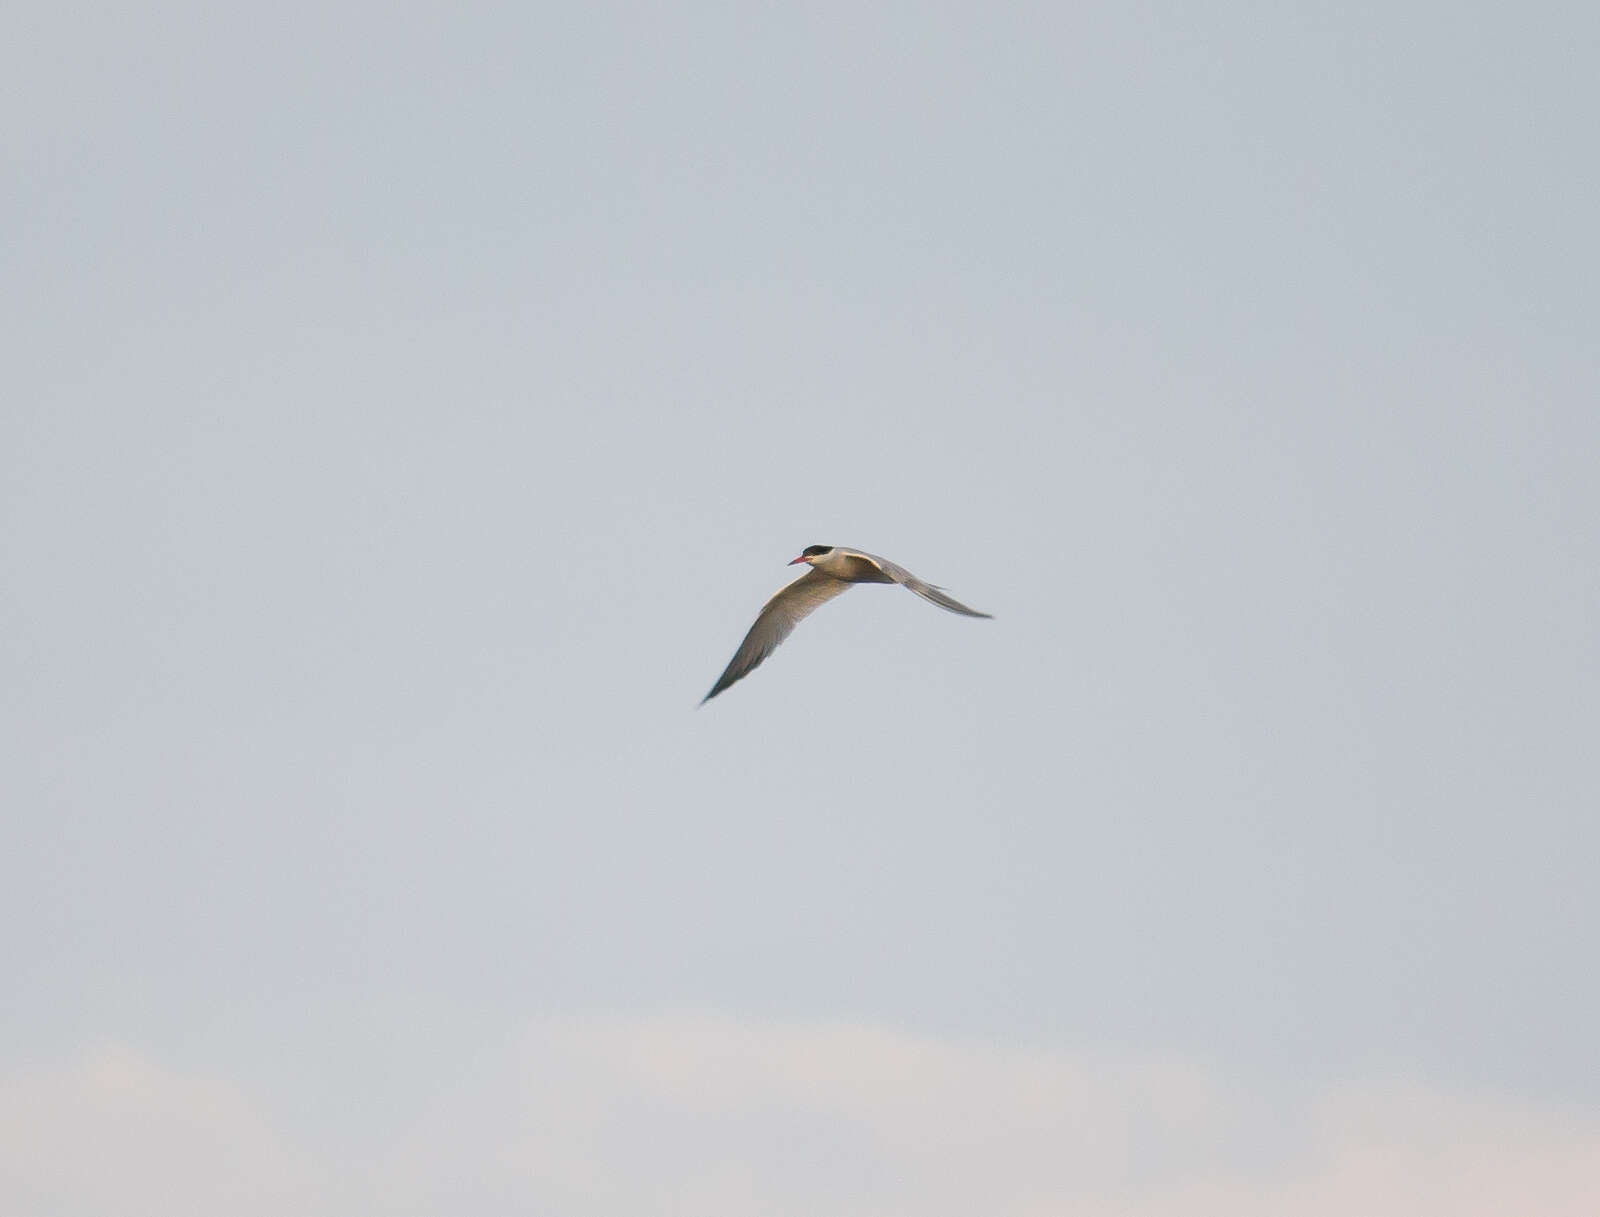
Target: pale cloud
(848,1118)
(709,1115)
(1387,1148)
(114,1133)
(703,1114)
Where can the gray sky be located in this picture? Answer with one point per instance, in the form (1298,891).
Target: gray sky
(405,413)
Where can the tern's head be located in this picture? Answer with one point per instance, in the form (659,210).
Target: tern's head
(811,553)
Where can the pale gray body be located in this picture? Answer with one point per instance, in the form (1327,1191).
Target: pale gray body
(833,570)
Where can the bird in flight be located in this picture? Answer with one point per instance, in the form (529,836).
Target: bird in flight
(833,570)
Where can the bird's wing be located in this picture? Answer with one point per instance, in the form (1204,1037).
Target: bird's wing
(930,593)
(776,621)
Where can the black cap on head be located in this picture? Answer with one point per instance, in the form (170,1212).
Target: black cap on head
(812,551)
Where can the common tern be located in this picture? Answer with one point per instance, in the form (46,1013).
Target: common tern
(833,570)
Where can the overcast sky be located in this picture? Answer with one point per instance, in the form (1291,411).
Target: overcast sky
(405,412)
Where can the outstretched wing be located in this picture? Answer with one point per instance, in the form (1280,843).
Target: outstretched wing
(930,593)
(776,621)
